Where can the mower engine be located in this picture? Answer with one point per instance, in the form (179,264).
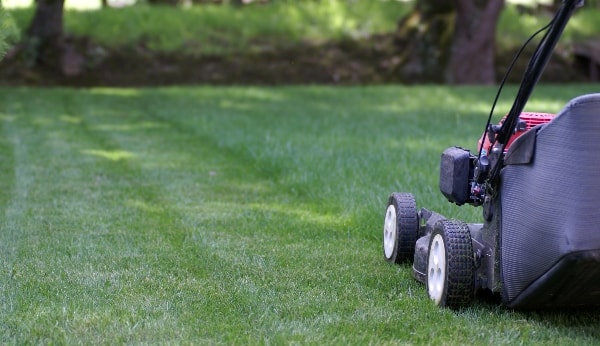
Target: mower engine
(527,121)
(462,174)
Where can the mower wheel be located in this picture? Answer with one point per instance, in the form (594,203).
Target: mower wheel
(451,265)
(400,228)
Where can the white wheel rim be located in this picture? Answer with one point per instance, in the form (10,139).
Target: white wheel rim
(436,268)
(389,231)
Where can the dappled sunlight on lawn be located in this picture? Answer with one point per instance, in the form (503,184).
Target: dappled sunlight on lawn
(144,206)
(416,146)
(137,126)
(298,212)
(122,92)
(441,100)
(236,105)
(71,119)
(112,155)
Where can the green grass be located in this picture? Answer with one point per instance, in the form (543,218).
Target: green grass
(514,28)
(206,30)
(226,29)
(236,216)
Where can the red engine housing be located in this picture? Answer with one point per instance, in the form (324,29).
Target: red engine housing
(531,119)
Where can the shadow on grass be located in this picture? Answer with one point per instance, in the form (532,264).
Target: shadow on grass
(578,323)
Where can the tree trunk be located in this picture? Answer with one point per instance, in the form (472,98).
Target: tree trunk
(45,32)
(444,41)
(164,2)
(474,42)
(46,43)
(47,23)
(422,38)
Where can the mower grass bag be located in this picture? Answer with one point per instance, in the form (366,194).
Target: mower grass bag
(550,219)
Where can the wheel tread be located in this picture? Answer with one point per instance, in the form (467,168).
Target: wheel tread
(460,264)
(407,221)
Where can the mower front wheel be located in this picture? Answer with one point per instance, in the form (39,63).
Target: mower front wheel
(450,265)
(400,228)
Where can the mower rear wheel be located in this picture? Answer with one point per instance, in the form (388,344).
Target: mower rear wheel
(451,265)
(400,228)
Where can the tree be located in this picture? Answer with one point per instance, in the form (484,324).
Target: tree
(47,22)
(164,2)
(9,32)
(474,42)
(3,43)
(45,32)
(45,43)
(449,41)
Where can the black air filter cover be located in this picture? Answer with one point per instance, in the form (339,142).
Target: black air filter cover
(455,167)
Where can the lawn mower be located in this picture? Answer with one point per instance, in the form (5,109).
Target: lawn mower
(536,177)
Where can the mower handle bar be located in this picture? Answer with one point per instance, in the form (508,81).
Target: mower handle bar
(532,74)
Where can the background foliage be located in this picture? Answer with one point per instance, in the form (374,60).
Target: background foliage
(9,32)
(222,29)
(227,29)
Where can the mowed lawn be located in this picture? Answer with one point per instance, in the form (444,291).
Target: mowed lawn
(237,215)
